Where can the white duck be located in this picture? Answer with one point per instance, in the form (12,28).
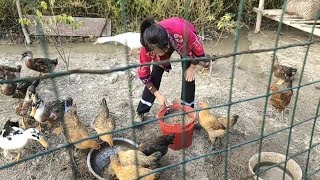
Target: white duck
(129,39)
(13,138)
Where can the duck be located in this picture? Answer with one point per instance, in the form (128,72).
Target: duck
(48,113)
(22,88)
(129,39)
(10,123)
(76,130)
(24,107)
(8,89)
(284,73)
(42,65)
(104,123)
(9,73)
(15,71)
(13,138)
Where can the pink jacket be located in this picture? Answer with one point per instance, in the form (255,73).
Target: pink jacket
(175,27)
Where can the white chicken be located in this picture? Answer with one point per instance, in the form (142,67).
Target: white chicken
(129,39)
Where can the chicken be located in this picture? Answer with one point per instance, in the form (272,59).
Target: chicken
(224,121)
(281,100)
(76,130)
(103,123)
(159,143)
(129,158)
(130,172)
(203,65)
(215,127)
(284,73)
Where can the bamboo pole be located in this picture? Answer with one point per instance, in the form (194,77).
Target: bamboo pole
(24,30)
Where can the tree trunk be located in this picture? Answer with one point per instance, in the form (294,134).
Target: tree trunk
(24,30)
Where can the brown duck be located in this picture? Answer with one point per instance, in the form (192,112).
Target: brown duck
(8,89)
(42,65)
(22,88)
(8,69)
(48,113)
(25,105)
(9,73)
(284,73)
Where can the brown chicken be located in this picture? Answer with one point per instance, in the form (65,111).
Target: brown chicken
(104,123)
(158,144)
(130,172)
(129,158)
(281,100)
(203,65)
(215,127)
(284,73)
(76,130)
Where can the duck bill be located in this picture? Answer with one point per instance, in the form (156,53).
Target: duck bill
(43,142)
(33,112)
(33,97)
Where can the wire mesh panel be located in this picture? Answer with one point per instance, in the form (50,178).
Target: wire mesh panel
(102,87)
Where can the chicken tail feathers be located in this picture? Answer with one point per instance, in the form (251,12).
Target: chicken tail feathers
(170,138)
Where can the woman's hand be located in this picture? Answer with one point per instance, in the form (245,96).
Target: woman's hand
(190,73)
(161,99)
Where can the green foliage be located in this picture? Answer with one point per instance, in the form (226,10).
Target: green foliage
(227,23)
(51,21)
(204,14)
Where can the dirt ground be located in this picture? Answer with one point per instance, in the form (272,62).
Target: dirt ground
(250,80)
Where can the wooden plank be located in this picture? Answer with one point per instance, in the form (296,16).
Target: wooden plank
(107,29)
(309,25)
(89,27)
(288,16)
(270,12)
(275,12)
(297,26)
(302,21)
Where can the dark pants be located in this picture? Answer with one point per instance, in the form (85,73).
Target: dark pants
(148,98)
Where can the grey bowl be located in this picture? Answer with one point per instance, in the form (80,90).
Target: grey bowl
(97,159)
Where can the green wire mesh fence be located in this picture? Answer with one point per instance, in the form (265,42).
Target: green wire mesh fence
(227,148)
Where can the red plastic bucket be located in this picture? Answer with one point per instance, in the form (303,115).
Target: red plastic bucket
(177,128)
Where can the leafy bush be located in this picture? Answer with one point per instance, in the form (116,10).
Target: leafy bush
(204,14)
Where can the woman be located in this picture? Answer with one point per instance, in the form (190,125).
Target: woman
(159,41)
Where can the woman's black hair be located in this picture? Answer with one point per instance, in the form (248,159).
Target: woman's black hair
(153,35)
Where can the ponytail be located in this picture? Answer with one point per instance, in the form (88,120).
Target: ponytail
(146,23)
(153,35)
